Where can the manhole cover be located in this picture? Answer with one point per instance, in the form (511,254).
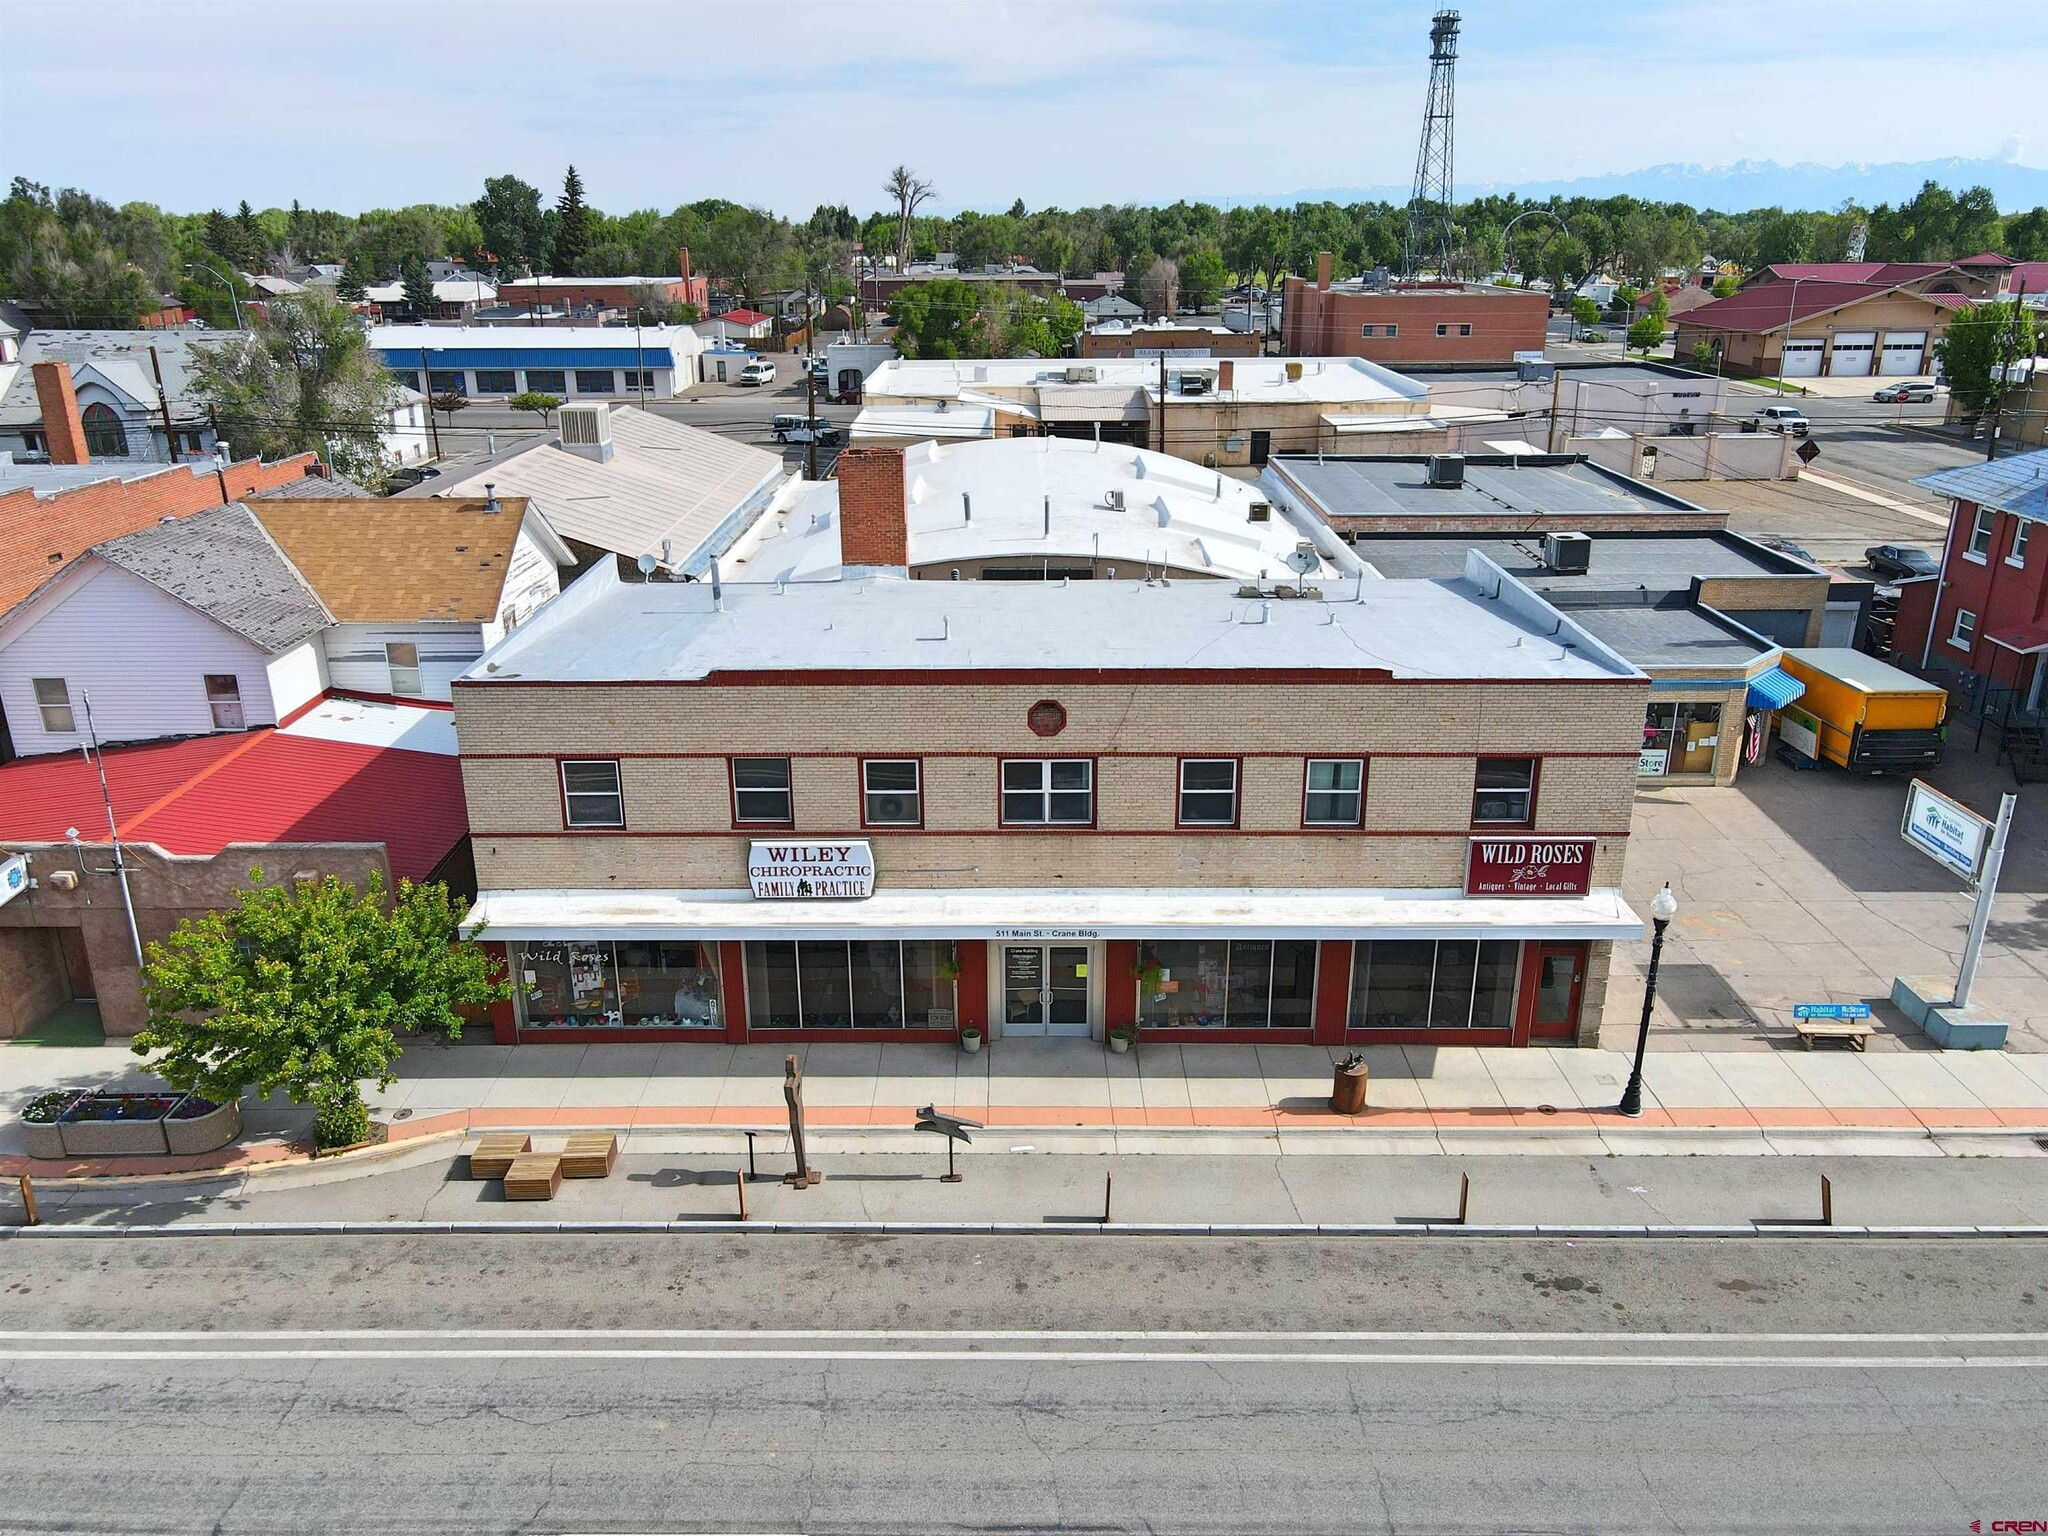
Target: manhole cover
(1546,1109)
(403,1114)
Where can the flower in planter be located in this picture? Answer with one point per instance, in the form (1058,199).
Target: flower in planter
(48,1108)
(191,1107)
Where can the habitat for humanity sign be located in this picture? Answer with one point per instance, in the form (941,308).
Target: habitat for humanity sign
(1530,866)
(1952,835)
(808,871)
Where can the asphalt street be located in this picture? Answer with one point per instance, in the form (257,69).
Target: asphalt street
(902,1384)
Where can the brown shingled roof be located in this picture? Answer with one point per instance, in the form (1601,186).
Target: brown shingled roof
(384,561)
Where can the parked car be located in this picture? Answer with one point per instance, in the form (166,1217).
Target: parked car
(1901,393)
(797,429)
(1783,418)
(760,371)
(1787,547)
(407,477)
(1901,560)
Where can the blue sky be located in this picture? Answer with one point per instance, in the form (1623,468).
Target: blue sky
(794,102)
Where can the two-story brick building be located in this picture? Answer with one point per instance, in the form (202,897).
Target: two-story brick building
(884,808)
(1398,323)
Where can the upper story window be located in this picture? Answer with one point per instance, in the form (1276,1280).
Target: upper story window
(1208,792)
(105,437)
(1963,634)
(760,791)
(53,698)
(1504,792)
(1333,792)
(402,659)
(1981,531)
(1058,791)
(891,792)
(2017,555)
(224,700)
(1454,330)
(591,794)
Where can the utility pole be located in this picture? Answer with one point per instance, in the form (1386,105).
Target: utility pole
(1556,383)
(811,410)
(427,389)
(1162,401)
(640,359)
(113,831)
(163,404)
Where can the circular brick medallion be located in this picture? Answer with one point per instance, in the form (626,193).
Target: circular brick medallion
(1048,717)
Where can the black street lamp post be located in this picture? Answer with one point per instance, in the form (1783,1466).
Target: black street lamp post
(1662,909)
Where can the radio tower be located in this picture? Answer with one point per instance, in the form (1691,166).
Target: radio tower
(1430,237)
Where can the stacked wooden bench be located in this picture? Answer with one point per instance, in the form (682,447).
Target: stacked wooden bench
(531,1175)
(1852,1032)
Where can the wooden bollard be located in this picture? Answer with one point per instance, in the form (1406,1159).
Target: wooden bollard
(1827,1202)
(30,1216)
(1108,1184)
(739,1182)
(1464,1196)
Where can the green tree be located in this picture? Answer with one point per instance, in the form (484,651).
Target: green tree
(2026,236)
(252,249)
(1974,351)
(75,275)
(419,288)
(220,237)
(936,319)
(1041,325)
(538,402)
(1784,237)
(1646,334)
(1724,286)
(749,248)
(512,231)
(304,378)
(306,987)
(1202,278)
(354,284)
(1704,355)
(572,227)
(1584,310)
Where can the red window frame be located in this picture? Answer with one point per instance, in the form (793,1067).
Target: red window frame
(732,788)
(861,787)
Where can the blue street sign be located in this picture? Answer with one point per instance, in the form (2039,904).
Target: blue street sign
(1831,1010)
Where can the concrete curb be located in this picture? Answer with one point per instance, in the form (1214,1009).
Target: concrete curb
(1774,1229)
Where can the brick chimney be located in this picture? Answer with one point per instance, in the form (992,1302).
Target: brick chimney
(683,261)
(1225,373)
(62,429)
(1322,270)
(871,508)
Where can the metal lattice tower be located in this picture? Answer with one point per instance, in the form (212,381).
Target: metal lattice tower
(1430,235)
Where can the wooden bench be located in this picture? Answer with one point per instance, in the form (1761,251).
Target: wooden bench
(1855,1031)
(534,1176)
(494,1153)
(590,1155)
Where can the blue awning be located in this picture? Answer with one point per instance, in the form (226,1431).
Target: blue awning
(1774,689)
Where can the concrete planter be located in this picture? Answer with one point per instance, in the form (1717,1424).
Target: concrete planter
(205,1132)
(42,1140)
(88,1131)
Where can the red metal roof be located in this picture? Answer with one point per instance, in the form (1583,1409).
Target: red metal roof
(198,796)
(1772,306)
(742,316)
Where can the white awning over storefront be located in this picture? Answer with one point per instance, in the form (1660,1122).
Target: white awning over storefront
(1051,914)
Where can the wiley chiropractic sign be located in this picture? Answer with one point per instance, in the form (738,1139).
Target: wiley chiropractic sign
(811,871)
(1952,835)
(1530,866)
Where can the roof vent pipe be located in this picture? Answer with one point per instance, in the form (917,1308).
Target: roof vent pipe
(717,588)
(1048,517)
(491,497)
(966,507)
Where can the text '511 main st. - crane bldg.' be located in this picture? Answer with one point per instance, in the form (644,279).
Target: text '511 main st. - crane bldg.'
(1328,809)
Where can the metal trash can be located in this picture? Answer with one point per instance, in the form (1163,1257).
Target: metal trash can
(1347,1086)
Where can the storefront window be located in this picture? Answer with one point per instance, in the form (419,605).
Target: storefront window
(1229,984)
(1421,984)
(641,984)
(1679,738)
(847,984)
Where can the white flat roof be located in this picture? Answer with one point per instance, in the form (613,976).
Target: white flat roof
(1175,514)
(443,338)
(1324,380)
(606,630)
(925,420)
(1131,913)
(369,723)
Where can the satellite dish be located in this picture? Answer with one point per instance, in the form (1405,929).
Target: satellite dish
(1304,559)
(647,564)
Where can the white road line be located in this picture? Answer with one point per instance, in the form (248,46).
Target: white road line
(1016,1335)
(1058,1357)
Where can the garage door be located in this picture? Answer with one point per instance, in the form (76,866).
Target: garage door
(1854,351)
(1802,359)
(1902,353)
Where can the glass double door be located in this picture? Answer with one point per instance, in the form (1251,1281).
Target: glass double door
(1045,989)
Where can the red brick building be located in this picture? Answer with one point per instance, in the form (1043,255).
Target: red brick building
(1987,612)
(1423,322)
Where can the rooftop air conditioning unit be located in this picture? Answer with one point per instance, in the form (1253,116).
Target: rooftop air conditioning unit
(1569,554)
(1447,470)
(1081,375)
(1195,383)
(586,431)
(1262,512)
(1115,499)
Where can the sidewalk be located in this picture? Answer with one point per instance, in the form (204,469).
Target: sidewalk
(1076,1086)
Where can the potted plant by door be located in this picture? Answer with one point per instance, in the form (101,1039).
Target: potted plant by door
(970,1039)
(1121,1038)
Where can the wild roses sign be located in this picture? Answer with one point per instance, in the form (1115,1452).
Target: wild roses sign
(811,871)
(1530,866)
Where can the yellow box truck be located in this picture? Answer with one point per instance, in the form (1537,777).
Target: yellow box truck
(1862,713)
